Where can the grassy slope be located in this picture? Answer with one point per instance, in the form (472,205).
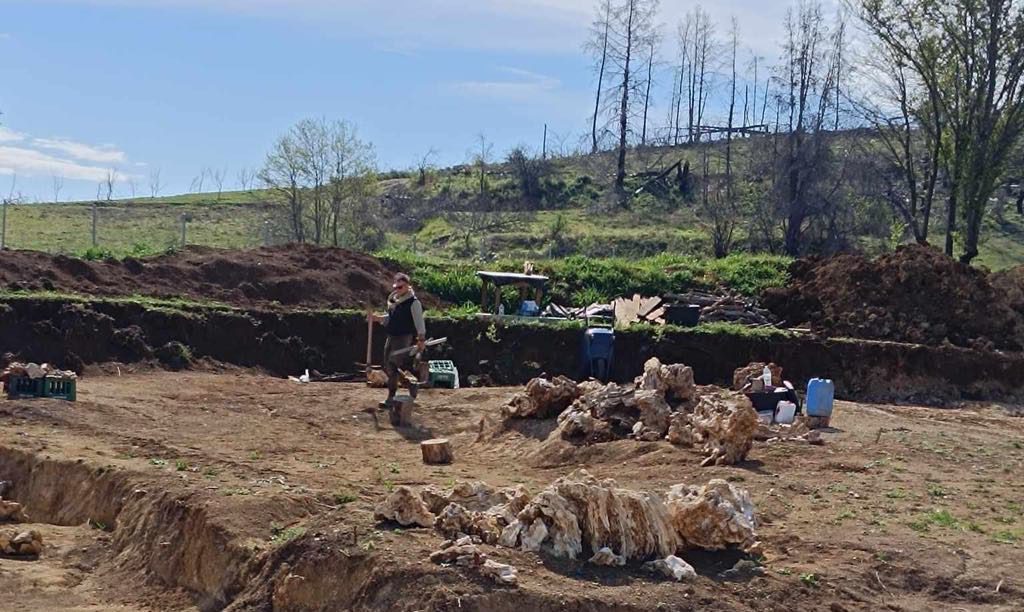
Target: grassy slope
(234,219)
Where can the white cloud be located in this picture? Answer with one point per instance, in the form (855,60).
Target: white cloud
(31,162)
(524,85)
(8,135)
(23,155)
(105,154)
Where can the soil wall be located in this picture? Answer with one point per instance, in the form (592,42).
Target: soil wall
(75,334)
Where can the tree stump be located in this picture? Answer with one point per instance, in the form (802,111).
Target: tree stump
(436,451)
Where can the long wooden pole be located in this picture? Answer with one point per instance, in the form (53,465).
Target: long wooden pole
(369,343)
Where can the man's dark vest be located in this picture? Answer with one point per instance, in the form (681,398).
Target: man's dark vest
(400,321)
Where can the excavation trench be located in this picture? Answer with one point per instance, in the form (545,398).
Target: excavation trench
(172,539)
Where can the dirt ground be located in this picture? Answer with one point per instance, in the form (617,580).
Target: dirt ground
(183,491)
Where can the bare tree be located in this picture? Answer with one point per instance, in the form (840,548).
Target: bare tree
(246,178)
(12,198)
(598,46)
(424,166)
(154,182)
(734,33)
(810,71)
(647,94)
(218,177)
(352,184)
(633,29)
(700,83)
(481,159)
(325,175)
(969,56)
(108,183)
(58,186)
(283,173)
(132,185)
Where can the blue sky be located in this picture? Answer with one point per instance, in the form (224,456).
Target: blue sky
(180,85)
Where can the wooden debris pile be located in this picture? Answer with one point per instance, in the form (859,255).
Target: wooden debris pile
(713,308)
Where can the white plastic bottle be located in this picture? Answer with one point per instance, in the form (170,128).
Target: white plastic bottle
(501,309)
(766,376)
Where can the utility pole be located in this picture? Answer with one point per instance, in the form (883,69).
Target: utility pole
(544,146)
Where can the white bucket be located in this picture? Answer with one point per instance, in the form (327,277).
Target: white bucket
(785,413)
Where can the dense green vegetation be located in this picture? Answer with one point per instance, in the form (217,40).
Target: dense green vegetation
(583,280)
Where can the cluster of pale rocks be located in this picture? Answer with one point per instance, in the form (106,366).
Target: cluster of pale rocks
(662,403)
(574,514)
(23,543)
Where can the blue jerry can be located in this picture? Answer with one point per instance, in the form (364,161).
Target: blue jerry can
(820,397)
(596,353)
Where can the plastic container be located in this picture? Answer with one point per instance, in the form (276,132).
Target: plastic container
(443,373)
(766,376)
(686,315)
(766,401)
(765,417)
(597,352)
(820,397)
(785,413)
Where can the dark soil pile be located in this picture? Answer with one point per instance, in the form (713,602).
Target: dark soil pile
(291,275)
(916,294)
(1011,283)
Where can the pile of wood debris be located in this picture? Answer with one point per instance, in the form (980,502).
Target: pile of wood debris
(713,308)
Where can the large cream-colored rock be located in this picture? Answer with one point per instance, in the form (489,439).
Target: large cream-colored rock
(713,517)
(405,507)
(680,430)
(543,398)
(674,382)
(579,509)
(726,424)
(654,415)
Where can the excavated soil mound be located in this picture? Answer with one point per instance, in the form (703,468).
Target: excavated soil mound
(1011,282)
(289,275)
(916,294)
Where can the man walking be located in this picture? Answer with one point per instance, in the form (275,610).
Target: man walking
(404,325)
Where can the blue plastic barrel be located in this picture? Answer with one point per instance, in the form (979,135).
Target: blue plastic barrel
(596,353)
(821,395)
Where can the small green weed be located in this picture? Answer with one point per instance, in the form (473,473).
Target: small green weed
(281,535)
(810,579)
(344,497)
(181,465)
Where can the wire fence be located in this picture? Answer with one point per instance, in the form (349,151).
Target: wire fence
(137,229)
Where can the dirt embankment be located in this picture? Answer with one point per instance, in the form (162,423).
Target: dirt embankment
(74,335)
(290,275)
(916,295)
